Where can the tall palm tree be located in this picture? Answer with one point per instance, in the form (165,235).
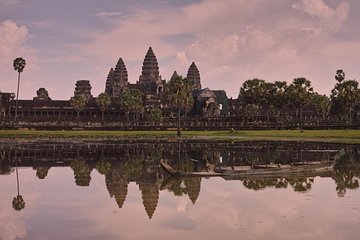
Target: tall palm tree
(103,101)
(78,102)
(19,65)
(132,102)
(346,96)
(179,92)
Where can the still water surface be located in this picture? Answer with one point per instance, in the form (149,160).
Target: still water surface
(118,191)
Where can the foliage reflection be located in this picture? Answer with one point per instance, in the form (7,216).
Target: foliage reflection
(121,164)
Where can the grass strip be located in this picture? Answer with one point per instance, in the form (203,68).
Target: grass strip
(341,136)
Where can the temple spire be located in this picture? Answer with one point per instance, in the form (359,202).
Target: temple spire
(120,72)
(109,82)
(120,78)
(175,74)
(194,76)
(150,80)
(150,68)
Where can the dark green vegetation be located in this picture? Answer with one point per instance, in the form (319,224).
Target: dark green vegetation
(131,101)
(78,102)
(179,93)
(278,99)
(103,101)
(341,136)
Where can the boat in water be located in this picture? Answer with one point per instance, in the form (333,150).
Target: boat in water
(263,171)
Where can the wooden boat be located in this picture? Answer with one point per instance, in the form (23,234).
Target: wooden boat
(265,170)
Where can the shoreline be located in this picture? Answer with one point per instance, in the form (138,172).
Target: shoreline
(330,136)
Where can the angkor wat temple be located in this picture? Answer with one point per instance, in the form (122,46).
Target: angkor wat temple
(212,109)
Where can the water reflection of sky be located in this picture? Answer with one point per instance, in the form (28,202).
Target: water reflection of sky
(58,209)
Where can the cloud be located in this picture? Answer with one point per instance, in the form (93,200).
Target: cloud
(8,2)
(44,24)
(233,40)
(105,14)
(13,43)
(318,8)
(209,45)
(182,58)
(12,39)
(230,41)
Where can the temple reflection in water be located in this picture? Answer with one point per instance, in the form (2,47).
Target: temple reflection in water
(125,163)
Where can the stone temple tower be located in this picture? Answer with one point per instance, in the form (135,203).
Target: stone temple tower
(194,76)
(109,82)
(150,80)
(83,87)
(175,75)
(117,80)
(120,79)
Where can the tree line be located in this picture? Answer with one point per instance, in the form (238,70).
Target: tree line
(279,98)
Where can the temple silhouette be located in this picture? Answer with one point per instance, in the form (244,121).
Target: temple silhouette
(212,109)
(150,83)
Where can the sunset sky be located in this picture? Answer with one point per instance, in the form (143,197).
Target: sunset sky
(229,40)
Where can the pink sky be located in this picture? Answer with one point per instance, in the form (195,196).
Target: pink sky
(230,41)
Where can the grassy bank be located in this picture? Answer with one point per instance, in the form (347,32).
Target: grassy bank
(343,136)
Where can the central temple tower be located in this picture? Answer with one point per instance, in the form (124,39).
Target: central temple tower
(150,80)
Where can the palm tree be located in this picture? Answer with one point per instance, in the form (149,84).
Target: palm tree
(19,65)
(179,92)
(253,92)
(131,100)
(155,115)
(340,75)
(322,105)
(346,96)
(103,101)
(299,94)
(78,102)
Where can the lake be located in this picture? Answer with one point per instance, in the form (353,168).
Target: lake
(111,190)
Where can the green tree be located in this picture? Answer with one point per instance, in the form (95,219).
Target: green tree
(299,95)
(155,115)
(78,102)
(322,105)
(345,97)
(179,92)
(103,101)
(277,97)
(262,95)
(250,110)
(340,75)
(131,100)
(253,92)
(19,65)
